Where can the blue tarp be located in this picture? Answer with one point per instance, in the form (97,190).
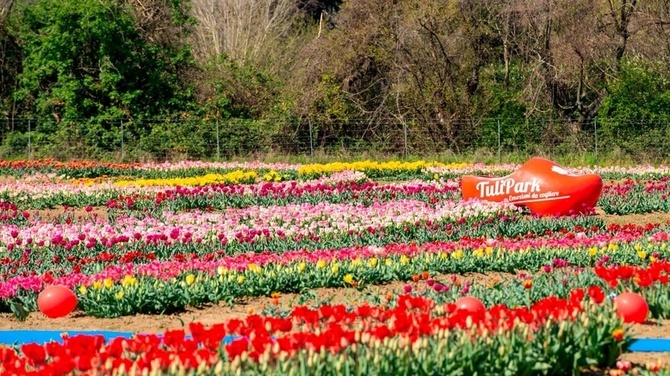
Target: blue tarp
(650,345)
(18,337)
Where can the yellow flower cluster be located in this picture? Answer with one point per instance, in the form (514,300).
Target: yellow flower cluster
(272,176)
(235,177)
(320,169)
(89,182)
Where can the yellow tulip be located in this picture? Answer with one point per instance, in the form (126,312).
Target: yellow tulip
(320,264)
(83,290)
(593,251)
(349,278)
(97,285)
(128,281)
(190,279)
(234,177)
(642,254)
(255,268)
(457,254)
(119,295)
(240,279)
(108,283)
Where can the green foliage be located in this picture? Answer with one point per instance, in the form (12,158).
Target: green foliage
(358,71)
(235,90)
(86,61)
(504,104)
(636,112)
(15,143)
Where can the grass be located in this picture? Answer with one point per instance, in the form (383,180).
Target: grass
(479,156)
(615,157)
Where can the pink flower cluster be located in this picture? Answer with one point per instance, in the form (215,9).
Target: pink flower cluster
(188,165)
(288,221)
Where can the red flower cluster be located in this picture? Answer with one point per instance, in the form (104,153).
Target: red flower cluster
(9,211)
(643,277)
(329,328)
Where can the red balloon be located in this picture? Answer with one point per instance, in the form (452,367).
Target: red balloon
(541,185)
(471,304)
(56,301)
(631,307)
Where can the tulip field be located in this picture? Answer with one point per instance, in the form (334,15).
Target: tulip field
(327,269)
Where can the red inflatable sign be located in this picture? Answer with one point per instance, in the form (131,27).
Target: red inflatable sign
(541,185)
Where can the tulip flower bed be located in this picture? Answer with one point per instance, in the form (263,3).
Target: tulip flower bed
(338,188)
(63,249)
(635,196)
(111,285)
(553,336)
(393,170)
(164,238)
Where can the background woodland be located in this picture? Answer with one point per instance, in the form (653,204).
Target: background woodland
(158,78)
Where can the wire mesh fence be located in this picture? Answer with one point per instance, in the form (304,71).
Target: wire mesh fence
(219,139)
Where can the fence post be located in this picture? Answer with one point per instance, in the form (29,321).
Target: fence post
(404,126)
(122,146)
(30,154)
(499,147)
(218,145)
(595,136)
(311,139)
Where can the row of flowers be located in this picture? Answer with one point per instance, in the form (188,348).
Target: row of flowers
(340,187)
(288,221)
(620,198)
(555,336)
(396,169)
(65,249)
(219,192)
(373,169)
(171,285)
(133,295)
(233,177)
(130,295)
(634,196)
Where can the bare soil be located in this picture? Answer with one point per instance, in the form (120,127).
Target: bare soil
(638,219)
(214,313)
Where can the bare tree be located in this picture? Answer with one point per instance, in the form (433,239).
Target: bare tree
(5,9)
(654,27)
(155,19)
(576,47)
(239,28)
